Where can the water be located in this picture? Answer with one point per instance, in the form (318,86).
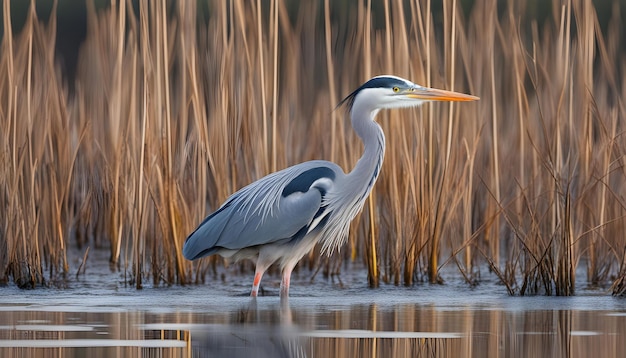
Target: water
(98,316)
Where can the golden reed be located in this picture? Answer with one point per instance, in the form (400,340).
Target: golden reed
(171,113)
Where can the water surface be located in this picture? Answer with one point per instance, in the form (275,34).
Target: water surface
(98,316)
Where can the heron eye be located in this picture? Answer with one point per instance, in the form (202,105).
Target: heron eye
(396,89)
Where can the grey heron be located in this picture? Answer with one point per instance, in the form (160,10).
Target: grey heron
(282,216)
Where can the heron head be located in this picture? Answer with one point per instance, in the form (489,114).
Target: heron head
(394,92)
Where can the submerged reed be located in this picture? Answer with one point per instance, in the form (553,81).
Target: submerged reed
(170,114)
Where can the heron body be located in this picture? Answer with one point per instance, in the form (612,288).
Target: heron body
(282,216)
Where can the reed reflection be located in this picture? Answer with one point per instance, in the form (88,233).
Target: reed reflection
(260,328)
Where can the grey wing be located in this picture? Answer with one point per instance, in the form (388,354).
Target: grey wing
(281,206)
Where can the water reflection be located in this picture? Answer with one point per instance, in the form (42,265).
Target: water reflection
(281,330)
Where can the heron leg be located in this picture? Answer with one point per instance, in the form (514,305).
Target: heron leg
(258,275)
(262,264)
(284,283)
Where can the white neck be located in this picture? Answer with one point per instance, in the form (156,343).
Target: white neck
(366,171)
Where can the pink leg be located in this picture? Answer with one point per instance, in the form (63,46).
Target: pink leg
(284,284)
(258,275)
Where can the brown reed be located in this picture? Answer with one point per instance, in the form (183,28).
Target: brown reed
(170,116)
(39,152)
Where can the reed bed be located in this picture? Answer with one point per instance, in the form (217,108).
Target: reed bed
(171,112)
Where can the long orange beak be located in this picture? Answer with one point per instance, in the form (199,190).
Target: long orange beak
(433,94)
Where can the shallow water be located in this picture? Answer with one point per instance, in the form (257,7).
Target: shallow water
(98,316)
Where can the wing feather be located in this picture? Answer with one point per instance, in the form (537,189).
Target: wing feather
(273,208)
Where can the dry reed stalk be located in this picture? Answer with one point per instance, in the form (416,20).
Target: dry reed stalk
(442,205)
(171,116)
(577,199)
(371,252)
(39,156)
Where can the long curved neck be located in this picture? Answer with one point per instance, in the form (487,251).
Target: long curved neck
(350,194)
(368,167)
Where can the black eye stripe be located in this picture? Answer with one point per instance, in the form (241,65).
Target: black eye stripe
(379,82)
(376,82)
